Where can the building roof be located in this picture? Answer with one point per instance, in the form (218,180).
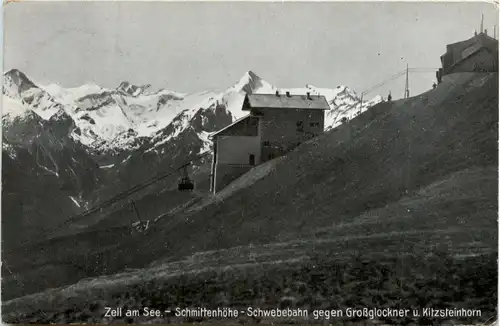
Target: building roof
(282,101)
(457,52)
(461,61)
(481,40)
(229,126)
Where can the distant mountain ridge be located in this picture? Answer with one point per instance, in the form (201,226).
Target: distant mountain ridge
(113,119)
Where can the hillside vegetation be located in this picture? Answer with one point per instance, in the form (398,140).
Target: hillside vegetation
(406,192)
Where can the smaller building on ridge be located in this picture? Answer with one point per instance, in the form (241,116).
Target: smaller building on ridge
(477,54)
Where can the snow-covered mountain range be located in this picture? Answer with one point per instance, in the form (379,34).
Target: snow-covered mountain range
(113,119)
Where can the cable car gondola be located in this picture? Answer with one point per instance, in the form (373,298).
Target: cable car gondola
(185,183)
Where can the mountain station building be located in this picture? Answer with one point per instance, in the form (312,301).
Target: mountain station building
(275,125)
(477,54)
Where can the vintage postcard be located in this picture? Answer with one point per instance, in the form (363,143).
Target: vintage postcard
(249,163)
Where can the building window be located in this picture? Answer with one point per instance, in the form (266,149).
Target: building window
(251,159)
(300,125)
(267,143)
(314,124)
(270,156)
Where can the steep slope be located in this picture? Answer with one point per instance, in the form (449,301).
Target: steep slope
(415,175)
(42,164)
(43,186)
(390,152)
(415,178)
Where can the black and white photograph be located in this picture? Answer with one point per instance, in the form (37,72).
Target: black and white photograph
(249,162)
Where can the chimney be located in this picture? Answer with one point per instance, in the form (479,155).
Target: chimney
(277,93)
(287,94)
(475,33)
(308,95)
(485,31)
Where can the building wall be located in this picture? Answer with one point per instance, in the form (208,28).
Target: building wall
(214,165)
(236,149)
(454,51)
(483,61)
(233,146)
(246,127)
(232,158)
(284,129)
(461,51)
(274,133)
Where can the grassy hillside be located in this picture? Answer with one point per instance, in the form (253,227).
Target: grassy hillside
(400,185)
(361,168)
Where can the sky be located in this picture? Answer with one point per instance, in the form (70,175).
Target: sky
(198,46)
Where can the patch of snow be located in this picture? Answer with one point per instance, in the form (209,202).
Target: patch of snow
(68,96)
(9,149)
(49,170)
(234,102)
(13,108)
(127,158)
(207,143)
(74,201)
(106,166)
(42,103)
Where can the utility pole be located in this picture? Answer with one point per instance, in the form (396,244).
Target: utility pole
(407,86)
(132,203)
(360,104)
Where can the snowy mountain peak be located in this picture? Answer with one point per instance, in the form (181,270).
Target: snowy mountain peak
(16,82)
(18,87)
(251,83)
(133,90)
(15,73)
(251,75)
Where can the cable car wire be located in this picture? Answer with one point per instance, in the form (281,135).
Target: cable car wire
(397,75)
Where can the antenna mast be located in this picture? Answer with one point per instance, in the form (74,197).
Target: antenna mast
(361,103)
(407,85)
(482,19)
